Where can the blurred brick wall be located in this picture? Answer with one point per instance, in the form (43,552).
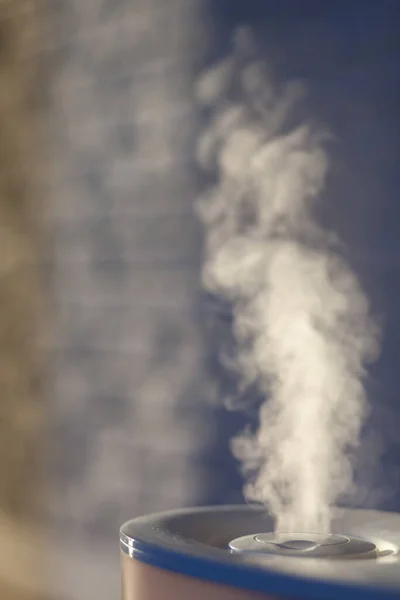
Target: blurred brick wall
(129,423)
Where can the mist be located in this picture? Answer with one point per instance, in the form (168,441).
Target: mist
(301,320)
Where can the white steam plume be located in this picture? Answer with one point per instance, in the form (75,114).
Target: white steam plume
(301,320)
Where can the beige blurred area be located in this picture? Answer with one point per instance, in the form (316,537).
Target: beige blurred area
(22,244)
(146,89)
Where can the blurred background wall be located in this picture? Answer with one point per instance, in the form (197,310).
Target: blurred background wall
(129,425)
(127,350)
(106,344)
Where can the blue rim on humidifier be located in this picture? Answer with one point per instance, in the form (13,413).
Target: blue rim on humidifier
(231,545)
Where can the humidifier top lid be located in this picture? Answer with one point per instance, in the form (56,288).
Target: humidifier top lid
(234,545)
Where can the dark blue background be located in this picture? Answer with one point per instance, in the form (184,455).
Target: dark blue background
(348,53)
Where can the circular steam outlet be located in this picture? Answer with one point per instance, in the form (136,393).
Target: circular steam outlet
(305,545)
